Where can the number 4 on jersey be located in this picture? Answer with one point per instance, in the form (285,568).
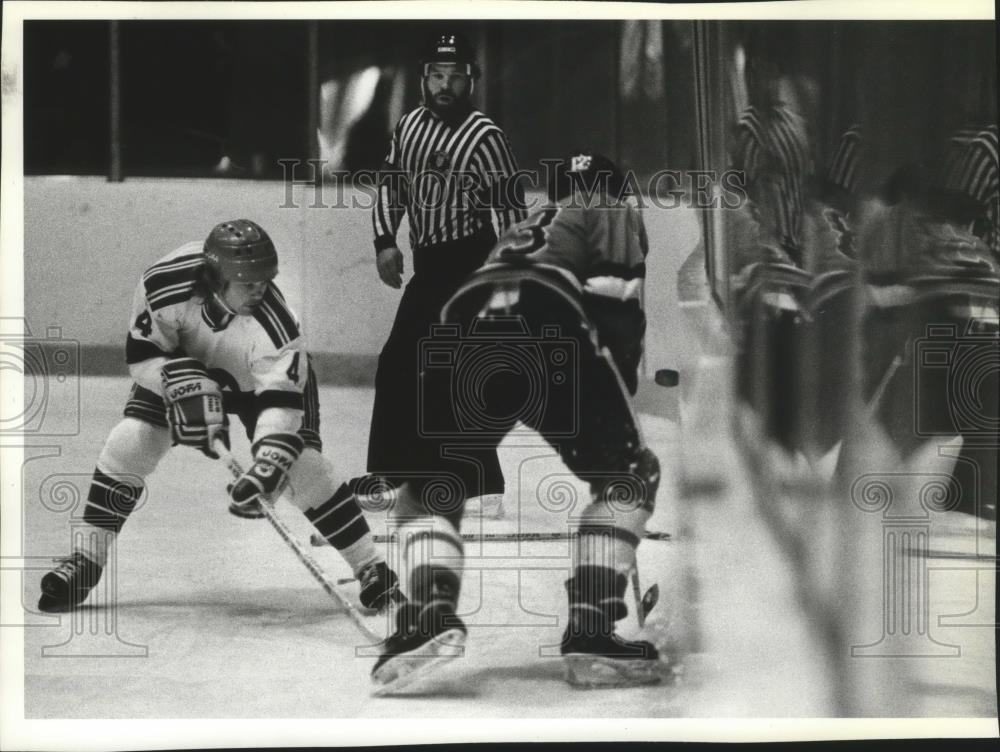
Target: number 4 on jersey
(293,370)
(144,323)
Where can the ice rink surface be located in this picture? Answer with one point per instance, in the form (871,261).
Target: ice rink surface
(216,618)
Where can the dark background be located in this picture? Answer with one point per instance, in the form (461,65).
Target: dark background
(192,92)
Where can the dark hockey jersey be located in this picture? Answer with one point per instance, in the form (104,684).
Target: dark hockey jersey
(602,249)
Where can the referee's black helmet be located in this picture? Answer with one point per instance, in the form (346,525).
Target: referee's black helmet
(448,47)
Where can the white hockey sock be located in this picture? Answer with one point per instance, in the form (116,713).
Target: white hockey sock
(361,554)
(433,559)
(608,539)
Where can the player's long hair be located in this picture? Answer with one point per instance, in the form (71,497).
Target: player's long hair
(207,282)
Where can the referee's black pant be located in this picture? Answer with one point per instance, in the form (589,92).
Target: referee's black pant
(398,449)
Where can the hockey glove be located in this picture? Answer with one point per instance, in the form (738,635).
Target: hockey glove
(194,405)
(273,457)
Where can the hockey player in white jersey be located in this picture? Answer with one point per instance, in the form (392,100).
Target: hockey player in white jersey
(211,335)
(576,266)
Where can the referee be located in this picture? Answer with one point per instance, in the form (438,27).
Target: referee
(449,168)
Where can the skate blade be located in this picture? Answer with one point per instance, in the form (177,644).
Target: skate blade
(599,672)
(407,674)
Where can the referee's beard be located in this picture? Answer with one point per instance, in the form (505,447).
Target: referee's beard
(454,112)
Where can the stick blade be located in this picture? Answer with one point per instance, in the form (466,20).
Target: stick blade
(650,599)
(423,670)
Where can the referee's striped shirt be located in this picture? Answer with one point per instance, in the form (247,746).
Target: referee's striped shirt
(771,143)
(432,172)
(845,167)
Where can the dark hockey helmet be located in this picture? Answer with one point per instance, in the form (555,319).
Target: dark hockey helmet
(240,251)
(586,171)
(448,47)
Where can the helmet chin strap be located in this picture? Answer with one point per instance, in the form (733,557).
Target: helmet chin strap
(222,300)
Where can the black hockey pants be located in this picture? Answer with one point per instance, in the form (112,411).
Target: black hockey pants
(398,448)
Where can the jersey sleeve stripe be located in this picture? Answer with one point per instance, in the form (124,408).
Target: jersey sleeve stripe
(138,350)
(614,269)
(171,281)
(278,398)
(174,296)
(171,272)
(310,421)
(188,259)
(279,323)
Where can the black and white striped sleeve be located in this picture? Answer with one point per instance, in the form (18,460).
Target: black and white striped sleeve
(498,170)
(388,211)
(152,336)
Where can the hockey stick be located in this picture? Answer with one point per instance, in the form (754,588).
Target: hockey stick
(317,540)
(236,470)
(647,602)
(873,404)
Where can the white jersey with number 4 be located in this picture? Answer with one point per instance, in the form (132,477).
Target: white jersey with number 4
(263,354)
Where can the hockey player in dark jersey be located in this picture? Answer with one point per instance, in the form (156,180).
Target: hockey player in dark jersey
(210,334)
(565,284)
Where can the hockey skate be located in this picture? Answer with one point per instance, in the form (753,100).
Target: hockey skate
(608,660)
(594,656)
(379,587)
(425,639)
(69,584)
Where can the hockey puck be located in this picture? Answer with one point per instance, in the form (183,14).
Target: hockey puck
(667,377)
